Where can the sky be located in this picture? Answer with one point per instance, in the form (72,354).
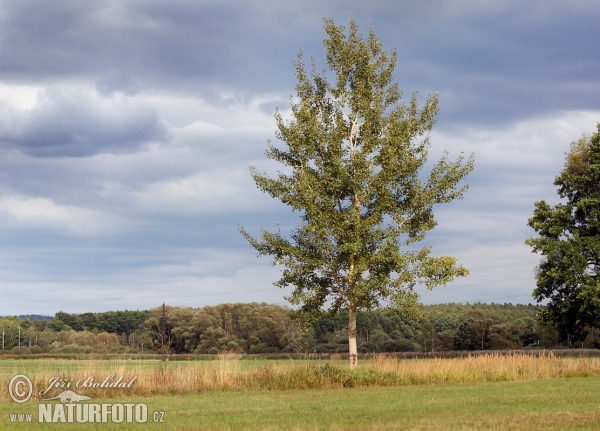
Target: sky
(127,129)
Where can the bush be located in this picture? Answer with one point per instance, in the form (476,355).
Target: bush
(297,345)
(20,351)
(328,348)
(36,349)
(74,348)
(262,348)
(397,346)
(54,345)
(367,347)
(118,349)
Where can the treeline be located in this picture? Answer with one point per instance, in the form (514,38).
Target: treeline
(116,322)
(442,327)
(72,333)
(265,328)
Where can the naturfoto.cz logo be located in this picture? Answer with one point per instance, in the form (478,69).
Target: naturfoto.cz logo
(71,406)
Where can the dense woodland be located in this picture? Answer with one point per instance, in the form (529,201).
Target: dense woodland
(265,328)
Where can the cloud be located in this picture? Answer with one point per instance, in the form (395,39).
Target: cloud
(206,192)
(43,213)
(480,56)
(203,163)
(177,276)
(77,122)
(127,129)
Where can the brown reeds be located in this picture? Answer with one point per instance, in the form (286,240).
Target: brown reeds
(487,368)
(225,374)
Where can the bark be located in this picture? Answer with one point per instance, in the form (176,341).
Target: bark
(353,354)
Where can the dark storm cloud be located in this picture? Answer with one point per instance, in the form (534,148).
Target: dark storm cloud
(498,62)
(78,123)
(489,60)
(185,44)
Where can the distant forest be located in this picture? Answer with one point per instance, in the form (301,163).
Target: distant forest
(265,328)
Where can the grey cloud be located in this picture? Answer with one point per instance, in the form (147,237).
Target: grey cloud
(181,44)
(490,61)
(114,82)
(79,124)
(496,62)
(120,73)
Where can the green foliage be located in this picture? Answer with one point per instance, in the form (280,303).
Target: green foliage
(36,350)
(119,322)
(259,328)
(465,338)
(569,241)
(239,328)
(442,327)
(262,328)
(20,351)
(353,155)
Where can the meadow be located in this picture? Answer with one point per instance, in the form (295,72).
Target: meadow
(477,392)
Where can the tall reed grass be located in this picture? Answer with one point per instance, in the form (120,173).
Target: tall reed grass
(225,374)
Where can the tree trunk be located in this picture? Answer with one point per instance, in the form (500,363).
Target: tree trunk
(353,354)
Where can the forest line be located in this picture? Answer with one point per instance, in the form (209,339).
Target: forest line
(252,328)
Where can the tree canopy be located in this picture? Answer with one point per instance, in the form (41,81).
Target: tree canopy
(569,241)
(267,329)
(353,156)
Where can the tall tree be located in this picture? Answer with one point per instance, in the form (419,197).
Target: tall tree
(353,154)
(569,241)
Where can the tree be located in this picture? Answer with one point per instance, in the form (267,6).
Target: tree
(569,241)
(480,324)
(353,156)
(465,338)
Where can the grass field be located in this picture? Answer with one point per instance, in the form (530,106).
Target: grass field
(469,393)
(553,404)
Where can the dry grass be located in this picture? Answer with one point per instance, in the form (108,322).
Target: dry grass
(487,368)
(226,374)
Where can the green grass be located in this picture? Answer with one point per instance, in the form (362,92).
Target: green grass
(552,404)
(487,392)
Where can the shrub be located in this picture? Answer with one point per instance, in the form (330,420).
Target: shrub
(328,348)
(73,348)
(367,347)
(20,350)
(36,349)
(54,345)
(262,348)
(397,346)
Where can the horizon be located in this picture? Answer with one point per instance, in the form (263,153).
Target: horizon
(279,305)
